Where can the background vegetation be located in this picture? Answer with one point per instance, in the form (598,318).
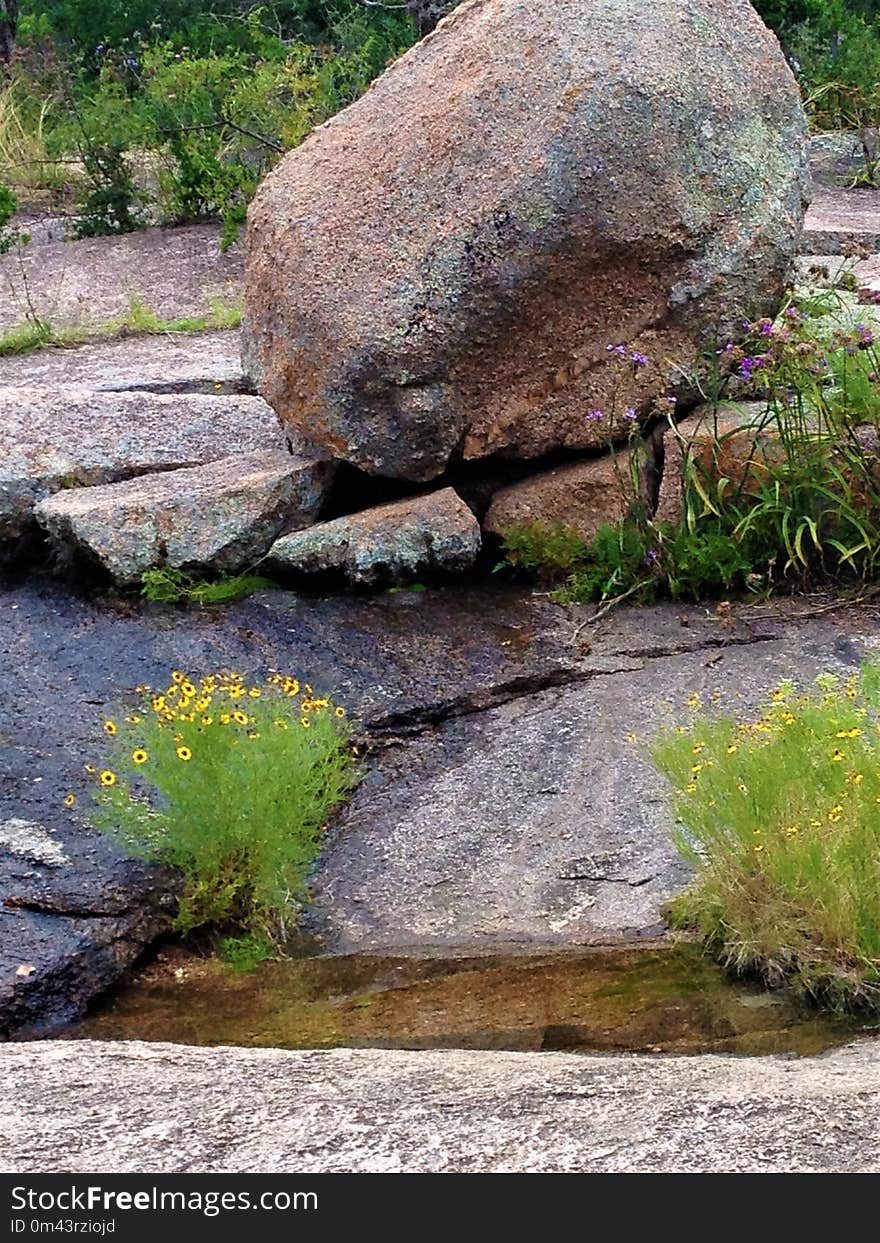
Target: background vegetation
(130,113)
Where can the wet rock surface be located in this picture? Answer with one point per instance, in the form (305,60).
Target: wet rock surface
(82,1106)
(503,803)
(73,916)
(539,821)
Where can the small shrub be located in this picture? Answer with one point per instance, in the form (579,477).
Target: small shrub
(232,785)
(109,203)
(546,549)
(622,560)
(780,816)
(805,503)
(244,954)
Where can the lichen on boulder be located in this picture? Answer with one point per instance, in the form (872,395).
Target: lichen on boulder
(439,270)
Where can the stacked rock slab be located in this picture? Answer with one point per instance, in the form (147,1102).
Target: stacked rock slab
(222,516)
(53,439)
(583,496)
(439,270)
(388,544)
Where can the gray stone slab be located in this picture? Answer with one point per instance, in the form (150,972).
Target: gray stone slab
(222,516)
(191,362)
(537,821)
(67,437)
(395,543)
(145,1108)
(176,272)
(838,217)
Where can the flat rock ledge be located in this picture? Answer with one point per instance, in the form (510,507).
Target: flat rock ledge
(224,515)
(158,1108)
(64,438)
(184,362)
(392,543)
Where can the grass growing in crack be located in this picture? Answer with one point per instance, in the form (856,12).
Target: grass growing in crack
(166,586)
(232,785)
(780,816)
(138,320)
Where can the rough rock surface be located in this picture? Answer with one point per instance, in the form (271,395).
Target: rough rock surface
(54,438)
(394,543)
(583,172)
(838,157)
(724,443)
(223,516)
(73,915)
(186,362)
(538,820)
(177,272)
(838,218)
(145,1108)
(583,497)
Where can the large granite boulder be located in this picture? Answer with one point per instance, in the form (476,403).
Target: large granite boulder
(441,269)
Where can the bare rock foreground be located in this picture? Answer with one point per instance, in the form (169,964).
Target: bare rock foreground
(84,1106)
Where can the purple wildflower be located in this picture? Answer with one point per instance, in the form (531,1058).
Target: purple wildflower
(594,415)
(629,413)
(640,360)
(650,557)
(748,365)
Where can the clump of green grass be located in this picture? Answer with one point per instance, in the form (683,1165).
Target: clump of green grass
(166,586)
(546,549)
(780,816)
(139,319)
(232,785)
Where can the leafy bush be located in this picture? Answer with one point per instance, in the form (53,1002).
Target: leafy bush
(8,208)
(834,46)
(231,784)
(180,114)
(779,816)
(805,503)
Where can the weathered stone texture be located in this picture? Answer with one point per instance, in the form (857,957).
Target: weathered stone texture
(392,543)
(583,497)
(222,516)
(570,175)
(54,438)
(140,1108)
